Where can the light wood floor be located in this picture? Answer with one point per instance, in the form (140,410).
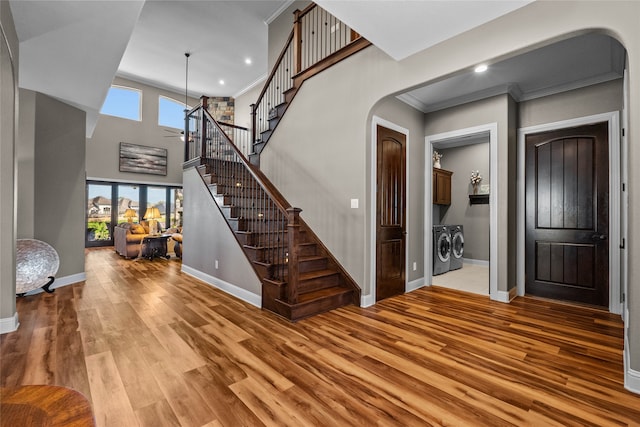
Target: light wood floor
(151,346)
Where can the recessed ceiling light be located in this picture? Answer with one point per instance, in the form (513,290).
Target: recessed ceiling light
(221,82)
(247,61)
(481,68)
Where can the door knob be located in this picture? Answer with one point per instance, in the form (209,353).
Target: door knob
(599,237)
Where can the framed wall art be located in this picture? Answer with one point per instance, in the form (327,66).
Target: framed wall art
(143,159)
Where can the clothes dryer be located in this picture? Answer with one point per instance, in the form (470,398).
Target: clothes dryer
(441,249)
(457,246)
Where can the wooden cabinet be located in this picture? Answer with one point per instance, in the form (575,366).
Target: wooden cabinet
(441,186)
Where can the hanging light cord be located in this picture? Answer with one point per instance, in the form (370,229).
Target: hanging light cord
(186,80)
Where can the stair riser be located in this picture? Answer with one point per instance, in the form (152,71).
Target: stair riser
(308,250)
(301,311)
(312,265)
(265,135)
(271,240)
(237,224)
(223,199)
(272,292)
(261,239)
(254,254)
(318,283)
(245,239)
(264,271)
(234,190)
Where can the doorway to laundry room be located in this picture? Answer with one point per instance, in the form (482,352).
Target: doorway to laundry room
(460,210)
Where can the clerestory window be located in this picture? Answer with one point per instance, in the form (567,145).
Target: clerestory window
(123,102)
(171,113)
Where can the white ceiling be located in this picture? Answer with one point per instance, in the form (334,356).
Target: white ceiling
(404,27)
(565,65)
(72,50)
(219,35)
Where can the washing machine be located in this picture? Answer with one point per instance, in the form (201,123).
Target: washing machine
(457,246)
(441,249)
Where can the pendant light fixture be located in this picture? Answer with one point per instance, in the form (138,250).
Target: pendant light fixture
(186,104)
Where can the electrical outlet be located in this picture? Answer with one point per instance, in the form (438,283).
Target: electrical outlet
(415,266)
(354,203)
(216,264)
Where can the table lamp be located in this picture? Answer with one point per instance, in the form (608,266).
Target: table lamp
(129,214)
(152,214)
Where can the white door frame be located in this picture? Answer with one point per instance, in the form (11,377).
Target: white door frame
(613,120)
(369,300)
(441,139)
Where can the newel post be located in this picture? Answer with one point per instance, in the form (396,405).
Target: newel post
(253,125)
(293,232)
(204,104)
(297,41)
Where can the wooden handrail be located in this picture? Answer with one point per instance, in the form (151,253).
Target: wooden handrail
(231,125)
(307,9)
(275,68)
(257,174)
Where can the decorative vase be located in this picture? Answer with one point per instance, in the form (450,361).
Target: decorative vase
(475,188)
(436,164)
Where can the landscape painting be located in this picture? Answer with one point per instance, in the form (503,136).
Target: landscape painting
(143,159)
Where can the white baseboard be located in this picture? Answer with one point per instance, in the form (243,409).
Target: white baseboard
(9,324)
(475,262)
(227,287)
(62,281)
(632,380)
(415,284)
(367,301)
(505,296)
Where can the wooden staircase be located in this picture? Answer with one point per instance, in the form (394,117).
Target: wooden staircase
(300,278)
(299,275)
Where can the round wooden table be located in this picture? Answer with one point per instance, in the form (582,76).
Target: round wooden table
(44,406)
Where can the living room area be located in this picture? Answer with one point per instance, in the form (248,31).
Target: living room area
(138,220)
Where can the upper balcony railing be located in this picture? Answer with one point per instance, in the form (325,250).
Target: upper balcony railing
(316,37)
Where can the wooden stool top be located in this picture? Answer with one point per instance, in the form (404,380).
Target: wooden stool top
(44,405)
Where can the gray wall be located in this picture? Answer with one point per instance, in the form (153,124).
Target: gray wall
(104,145)
(208,238)
(51,199)
(25,164)
(475,218)
(600,98)
(242,105)
(8,108)
(59,176)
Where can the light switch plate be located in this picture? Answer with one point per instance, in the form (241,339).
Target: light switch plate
(354,203)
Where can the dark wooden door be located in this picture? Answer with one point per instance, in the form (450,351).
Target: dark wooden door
(567,214)
(390,213)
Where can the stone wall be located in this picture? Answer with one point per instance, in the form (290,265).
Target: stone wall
(222,108)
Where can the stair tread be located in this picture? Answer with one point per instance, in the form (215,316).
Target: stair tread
(322,293)
(316,274)
(311,258)
(253,247)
